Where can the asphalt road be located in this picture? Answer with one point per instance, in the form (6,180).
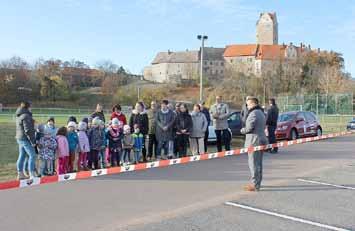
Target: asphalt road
(193,196)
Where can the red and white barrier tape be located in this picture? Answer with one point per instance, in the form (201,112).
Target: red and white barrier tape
(156,164)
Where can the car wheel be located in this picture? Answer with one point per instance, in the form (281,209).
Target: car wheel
(319,131)
(293,135)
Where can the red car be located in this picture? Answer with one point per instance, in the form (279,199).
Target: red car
(297,124)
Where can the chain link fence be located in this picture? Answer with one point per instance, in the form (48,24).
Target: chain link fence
(321,104)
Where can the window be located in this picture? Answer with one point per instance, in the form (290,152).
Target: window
(234,117)
(310,117)
(301,116)
(222,64)
(211,63)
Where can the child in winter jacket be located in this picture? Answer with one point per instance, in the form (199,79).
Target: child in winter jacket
(47,146)
(96,141)
(127,144)
(102,152)
(62,151)
(114,135)
(137,143)
(73,140)
(84,147)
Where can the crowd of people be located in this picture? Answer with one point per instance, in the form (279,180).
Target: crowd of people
(149,134)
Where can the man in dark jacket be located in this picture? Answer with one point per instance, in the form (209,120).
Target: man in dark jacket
(25,136)
(271,123)
(139,116)
(99,112)
(207,114)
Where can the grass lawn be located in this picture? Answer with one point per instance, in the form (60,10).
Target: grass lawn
(9,149)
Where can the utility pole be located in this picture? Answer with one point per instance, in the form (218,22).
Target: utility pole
(202,38)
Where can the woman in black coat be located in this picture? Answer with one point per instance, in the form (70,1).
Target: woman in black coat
(183,125)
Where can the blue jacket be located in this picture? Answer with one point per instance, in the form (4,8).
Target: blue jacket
(138,141)
(73,141)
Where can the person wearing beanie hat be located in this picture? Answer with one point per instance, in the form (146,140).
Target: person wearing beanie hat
(114,136)
(73,141)
(128,143)
(47,146)
(103,153)
(84,147)
(96,136)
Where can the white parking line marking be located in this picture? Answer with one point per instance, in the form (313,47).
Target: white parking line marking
(327,184)
(329,227)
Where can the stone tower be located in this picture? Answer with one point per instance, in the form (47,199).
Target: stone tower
(267,29)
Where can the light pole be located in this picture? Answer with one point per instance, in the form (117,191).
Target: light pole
(202,38)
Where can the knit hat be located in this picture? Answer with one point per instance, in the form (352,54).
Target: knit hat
(96,121)
(115,122)
(40,128)
(47,130)
(82,126)
(71,124)
(72,119)
(126,128)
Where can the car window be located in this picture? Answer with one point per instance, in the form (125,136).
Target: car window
(300,115)
(286,117)
(310,117)
(234,117)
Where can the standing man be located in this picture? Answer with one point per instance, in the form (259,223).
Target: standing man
(99,112)
(244,112)
(25,136)
(271,123)
(254,131)
(152,140)
(220,114)
(206,112)
(164,128)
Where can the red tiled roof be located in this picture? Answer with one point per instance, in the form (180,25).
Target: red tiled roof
(240,50)
(271,52)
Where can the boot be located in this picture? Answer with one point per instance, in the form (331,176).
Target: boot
(21,176)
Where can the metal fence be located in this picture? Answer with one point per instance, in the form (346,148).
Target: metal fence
(321,104)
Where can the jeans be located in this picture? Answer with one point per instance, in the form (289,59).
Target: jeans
(102,157)
(162,145)
(223,137)
(152,145)
(205,140)
(137,155)
(126,156)
(272,137)
(46,167)
(255,161)
(197,145)
(25,148)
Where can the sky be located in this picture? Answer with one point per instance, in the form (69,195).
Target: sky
(131,32)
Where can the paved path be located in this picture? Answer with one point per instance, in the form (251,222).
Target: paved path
(193,196)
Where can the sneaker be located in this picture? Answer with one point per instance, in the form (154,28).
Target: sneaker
(21,176)
(249,188)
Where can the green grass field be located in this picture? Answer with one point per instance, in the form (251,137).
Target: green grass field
(9,149)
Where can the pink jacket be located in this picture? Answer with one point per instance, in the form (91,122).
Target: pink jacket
(63,146)
(84,145)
